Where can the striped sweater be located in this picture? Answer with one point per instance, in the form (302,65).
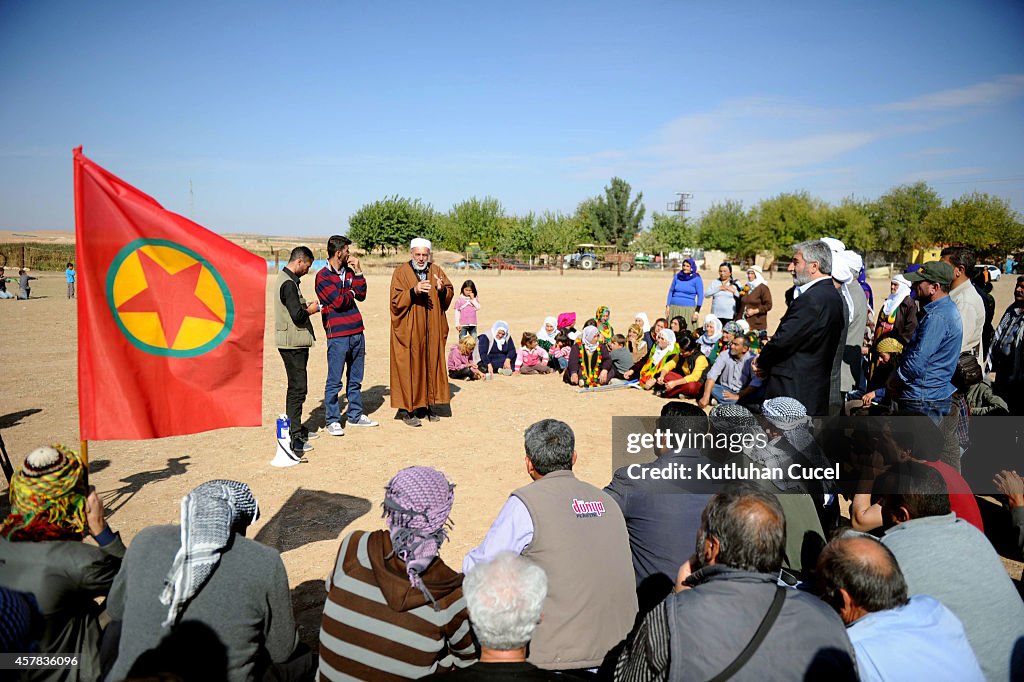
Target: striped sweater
(376,626)
(338,293)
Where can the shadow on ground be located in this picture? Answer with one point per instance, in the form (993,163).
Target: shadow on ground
(311,516)
(118,497)
(14,418)
(308,604)
(373,400)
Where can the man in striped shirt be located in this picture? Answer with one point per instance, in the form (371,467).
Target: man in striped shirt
(339,286)
(394,609)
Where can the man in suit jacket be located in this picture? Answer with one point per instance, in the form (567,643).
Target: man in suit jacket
(798,359)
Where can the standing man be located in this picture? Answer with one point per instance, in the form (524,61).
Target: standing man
(420,295)
(293,336)
(966,298)
(69,275)
(922,384)
(798,360)
(339,286)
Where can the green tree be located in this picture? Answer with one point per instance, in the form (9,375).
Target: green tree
(615,218)
(899,214)
(649,241)
(674,232)
(784,220)
(391,223)
(850,222)
(518,236)
(981,221)
(586,216)
(724,227)
(558,233)
(477,220)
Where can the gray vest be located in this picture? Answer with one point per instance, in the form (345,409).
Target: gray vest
(286,333)
(581,542)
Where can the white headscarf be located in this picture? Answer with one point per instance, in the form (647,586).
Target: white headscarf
(660,352)
(495,341)
(758,277)
(591,338)
(643,319)
(841,272)
(706,341)
(543,334)
(893,301)
(420,242)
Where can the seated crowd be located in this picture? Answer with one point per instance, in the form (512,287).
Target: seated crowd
(761,579)
(629,582)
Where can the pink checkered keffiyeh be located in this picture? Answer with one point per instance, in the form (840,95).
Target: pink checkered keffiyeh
(417,502)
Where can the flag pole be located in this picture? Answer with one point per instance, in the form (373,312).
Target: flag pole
(83,449)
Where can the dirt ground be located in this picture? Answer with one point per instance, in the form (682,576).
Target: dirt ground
(305,508)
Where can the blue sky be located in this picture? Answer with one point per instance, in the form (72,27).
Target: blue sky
(287,117)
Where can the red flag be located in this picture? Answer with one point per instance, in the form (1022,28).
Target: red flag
(170,317)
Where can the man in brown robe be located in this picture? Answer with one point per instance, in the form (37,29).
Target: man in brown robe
(420,296)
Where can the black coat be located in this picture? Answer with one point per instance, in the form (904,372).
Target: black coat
(799,357)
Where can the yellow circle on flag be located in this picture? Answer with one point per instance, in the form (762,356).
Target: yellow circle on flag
(168,300)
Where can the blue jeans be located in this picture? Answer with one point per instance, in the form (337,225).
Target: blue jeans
(342,352)
(718,393)
(752,398)
(933,409)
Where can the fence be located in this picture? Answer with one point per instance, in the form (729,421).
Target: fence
(36,255)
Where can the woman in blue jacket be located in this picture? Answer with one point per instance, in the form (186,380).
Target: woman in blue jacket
(686,294)
(497,350)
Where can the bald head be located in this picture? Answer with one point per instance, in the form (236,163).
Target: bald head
(743,528)
(860,573)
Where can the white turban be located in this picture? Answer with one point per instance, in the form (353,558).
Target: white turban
(420,242)
(854,262)
(840,264)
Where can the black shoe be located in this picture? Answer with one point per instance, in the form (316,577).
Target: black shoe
(407,417)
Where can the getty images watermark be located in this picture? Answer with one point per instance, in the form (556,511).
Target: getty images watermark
(837,454)
(680,441)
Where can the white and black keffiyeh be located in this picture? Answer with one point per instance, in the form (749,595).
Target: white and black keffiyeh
(208,516)
(789,416)
(732,418)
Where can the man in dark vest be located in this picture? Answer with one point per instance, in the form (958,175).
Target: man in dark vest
(798,360)
(293,336)
(577,534)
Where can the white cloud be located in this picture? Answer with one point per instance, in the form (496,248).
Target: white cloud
(987,93)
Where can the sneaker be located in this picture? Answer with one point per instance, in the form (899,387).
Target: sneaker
(432,417)
(335,429)
(306,447)
(311,435)
(299,448)
(363,421)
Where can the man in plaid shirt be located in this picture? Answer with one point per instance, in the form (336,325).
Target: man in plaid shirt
(339,286)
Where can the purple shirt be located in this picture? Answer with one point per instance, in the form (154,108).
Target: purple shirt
(512,530)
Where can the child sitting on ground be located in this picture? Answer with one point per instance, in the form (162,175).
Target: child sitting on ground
(622,359)
(559,353)
(460,360)
(531,358)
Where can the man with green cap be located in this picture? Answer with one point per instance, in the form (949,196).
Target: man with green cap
(922,383)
